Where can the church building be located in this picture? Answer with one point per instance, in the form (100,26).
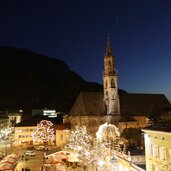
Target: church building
(91,109)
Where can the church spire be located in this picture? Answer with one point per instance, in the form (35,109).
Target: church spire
(108,48)
(110,81)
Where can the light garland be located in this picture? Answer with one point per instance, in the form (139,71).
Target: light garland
(81,143)
(103,149)
(108,148)
(107,132)
(43,132)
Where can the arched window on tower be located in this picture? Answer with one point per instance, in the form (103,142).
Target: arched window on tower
(109,63)
(106,84)
(112,83)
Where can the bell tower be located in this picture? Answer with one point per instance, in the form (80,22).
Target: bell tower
(110,83)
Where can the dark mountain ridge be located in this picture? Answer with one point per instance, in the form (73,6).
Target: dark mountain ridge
(30,80)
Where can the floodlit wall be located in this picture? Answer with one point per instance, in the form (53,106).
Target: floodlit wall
(22,135)
(158,150)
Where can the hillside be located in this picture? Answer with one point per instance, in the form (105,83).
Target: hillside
(30,80)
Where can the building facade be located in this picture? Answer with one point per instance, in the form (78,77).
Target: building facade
(158,147)
(22,135)
(23,130)
(62,134)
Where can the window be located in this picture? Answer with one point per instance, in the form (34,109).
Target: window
(26,130)
(106,83)
(156,151)
(162,151)
(109,63)
(150,149)
(112,83)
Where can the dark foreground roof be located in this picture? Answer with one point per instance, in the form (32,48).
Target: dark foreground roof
(36,119)
(162,126)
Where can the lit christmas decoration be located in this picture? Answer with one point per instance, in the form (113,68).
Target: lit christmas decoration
(107,140)
(107,133)
(103,150)
(81,143)
(44,133)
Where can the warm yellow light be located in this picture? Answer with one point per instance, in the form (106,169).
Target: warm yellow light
(147,139)
(107,131)
(101,163)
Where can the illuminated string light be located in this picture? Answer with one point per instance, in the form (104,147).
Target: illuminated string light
(43,132)
(81,143)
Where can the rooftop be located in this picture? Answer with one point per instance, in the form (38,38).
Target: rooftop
(36,119)
(162,126)
(131,104)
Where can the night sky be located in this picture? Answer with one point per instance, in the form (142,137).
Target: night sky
(76,32)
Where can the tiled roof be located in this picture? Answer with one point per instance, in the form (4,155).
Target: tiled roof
(141,104)
(36,119)
(162,126)
(91,103)
(63,126)
(88,103)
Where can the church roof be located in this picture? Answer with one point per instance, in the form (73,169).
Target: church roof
(88,103)
(132,104)
(141,104)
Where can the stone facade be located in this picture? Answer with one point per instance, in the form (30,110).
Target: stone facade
(91,123)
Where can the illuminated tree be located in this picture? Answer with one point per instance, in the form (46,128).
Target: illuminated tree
(81,143)
(44,132)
